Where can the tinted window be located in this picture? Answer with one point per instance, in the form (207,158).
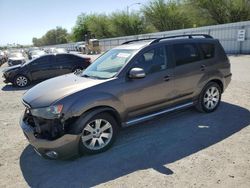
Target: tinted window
(67,58)
(42,60)
(153,60)
(207,50)
(185,53)
(61,59)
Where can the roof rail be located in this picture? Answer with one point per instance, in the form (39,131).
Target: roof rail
(190,36)
(136,40)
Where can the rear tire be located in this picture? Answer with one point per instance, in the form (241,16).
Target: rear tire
(98,134)
(209,98)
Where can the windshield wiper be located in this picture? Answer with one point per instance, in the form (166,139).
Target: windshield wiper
(86,76)
(91,76)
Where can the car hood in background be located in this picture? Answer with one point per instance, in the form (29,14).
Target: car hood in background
(14,67)
(47,92)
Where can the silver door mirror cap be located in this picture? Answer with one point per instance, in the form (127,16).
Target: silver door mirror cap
(137,73)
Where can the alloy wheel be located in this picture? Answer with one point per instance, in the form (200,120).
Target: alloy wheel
(97,134)
(211,97)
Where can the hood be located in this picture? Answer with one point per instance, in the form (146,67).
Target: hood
(12,68)
(48,92)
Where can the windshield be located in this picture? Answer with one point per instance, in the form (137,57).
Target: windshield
(109,64)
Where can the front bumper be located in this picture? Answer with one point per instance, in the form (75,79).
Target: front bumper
(65,146)
(5,79)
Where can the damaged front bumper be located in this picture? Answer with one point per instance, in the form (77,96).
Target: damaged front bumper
(63,147)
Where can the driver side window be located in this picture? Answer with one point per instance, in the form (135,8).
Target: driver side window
(152,61)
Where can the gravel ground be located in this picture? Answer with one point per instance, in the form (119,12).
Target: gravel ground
(185,149)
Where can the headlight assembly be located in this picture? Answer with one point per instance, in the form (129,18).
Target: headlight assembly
(50,112)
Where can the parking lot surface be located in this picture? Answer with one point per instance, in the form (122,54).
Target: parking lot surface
(185,149)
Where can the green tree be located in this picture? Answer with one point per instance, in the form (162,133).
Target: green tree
(123,24)
(80,28)
(53,36)
(166,15)
(99,25)
(222,11)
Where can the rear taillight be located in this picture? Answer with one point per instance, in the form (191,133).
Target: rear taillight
(87,60)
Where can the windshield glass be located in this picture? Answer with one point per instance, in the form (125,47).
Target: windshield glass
(109,64)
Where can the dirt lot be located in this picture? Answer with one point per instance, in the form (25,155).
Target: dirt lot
(186,149)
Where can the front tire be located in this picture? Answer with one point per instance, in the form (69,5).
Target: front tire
(98,134)
(209,98)
(21,81)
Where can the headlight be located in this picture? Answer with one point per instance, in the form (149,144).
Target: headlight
(48,112)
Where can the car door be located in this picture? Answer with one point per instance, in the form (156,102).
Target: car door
(155,90)
(42,67)
(188,70)
(64,63)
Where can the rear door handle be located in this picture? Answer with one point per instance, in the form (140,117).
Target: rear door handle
(203,67)
(166,78)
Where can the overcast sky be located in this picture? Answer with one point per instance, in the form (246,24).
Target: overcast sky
(21,20)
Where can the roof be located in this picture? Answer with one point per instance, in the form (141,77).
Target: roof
(134,45)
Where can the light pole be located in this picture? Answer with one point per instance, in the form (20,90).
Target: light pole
(131,6)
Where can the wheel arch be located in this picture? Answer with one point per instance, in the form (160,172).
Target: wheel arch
(219,82)
(107,109)
(84,117)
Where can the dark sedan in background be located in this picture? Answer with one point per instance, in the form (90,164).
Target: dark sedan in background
(44,67)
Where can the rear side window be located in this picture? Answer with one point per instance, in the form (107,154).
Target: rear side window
(64,59)
(207,50)
(185,53)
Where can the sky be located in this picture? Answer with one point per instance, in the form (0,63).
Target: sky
(21,20)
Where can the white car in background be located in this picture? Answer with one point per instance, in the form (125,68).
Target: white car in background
(16,58)
(2,57)
(37,53)
(56,50)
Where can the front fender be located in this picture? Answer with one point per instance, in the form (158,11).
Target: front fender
(77,126)
(84,102)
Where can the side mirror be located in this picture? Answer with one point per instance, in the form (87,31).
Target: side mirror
(136,73)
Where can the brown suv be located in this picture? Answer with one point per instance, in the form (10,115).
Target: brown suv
(131,83)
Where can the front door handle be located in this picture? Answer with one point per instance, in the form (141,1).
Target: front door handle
(166,78)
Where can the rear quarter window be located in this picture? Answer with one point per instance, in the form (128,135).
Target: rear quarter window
(186,53)
(207,50)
